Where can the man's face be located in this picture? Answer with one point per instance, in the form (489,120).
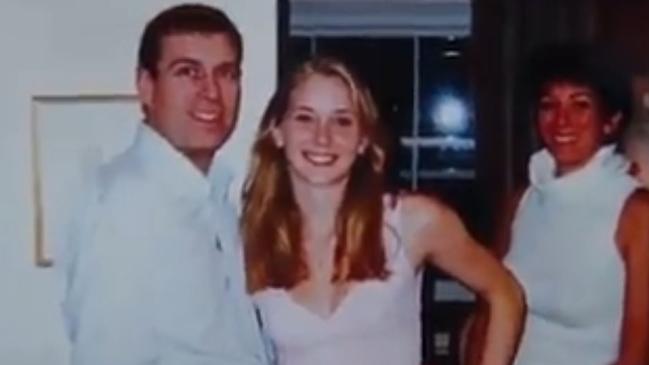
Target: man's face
(193,100)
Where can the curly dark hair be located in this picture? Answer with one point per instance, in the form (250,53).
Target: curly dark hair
(586,65)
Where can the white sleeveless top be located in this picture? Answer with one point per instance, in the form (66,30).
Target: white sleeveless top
(377,322)
(564,253)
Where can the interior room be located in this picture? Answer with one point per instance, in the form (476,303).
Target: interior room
(445,76)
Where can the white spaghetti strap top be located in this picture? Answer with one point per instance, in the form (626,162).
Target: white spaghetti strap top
(377,322)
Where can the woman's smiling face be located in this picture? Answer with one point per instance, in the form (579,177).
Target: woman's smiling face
(321,131)
(572,124)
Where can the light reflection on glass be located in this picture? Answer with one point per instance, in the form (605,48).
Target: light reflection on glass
(449,115)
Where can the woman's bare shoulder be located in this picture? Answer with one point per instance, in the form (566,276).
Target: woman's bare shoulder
(636,207)
(420,205)
(633,226)
(421,211)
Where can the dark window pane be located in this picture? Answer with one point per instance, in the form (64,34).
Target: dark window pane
(443,80)
(448,157)
(299,50)
(446,123)
(400,173)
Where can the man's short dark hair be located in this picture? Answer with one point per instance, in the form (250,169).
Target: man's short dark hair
(184,19)
(585,65)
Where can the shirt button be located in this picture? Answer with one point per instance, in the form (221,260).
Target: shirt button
(227,282)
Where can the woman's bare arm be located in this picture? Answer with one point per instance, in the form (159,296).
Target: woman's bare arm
(633,241)
(437,235)
(474,330)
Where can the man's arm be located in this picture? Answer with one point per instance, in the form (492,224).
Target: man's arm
(195,319)
(203,314)
(107,301)
(146,286)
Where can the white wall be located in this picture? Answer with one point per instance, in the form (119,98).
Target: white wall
(78,47)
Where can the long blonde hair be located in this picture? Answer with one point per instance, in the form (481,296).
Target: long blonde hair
(271,221)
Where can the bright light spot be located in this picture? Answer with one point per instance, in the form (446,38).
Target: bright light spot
(451,53)
(449,115)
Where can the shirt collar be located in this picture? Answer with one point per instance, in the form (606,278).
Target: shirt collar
(177,173)
(542,168)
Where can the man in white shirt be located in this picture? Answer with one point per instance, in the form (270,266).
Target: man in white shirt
(154,267)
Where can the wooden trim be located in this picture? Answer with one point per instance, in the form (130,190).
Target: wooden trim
(41,258)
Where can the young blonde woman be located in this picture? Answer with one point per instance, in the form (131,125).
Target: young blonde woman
(334,264)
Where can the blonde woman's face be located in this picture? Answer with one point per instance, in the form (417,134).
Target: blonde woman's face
(321,131)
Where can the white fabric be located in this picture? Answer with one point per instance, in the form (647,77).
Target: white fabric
(154,267)
(378,322)
(564,253)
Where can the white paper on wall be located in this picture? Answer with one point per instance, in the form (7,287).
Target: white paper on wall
(72,136)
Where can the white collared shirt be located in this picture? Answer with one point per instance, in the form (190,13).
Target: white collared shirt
(154,268)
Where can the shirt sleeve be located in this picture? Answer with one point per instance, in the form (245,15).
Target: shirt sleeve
(148,290)
(107,303)
(196,321)
(194,326)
